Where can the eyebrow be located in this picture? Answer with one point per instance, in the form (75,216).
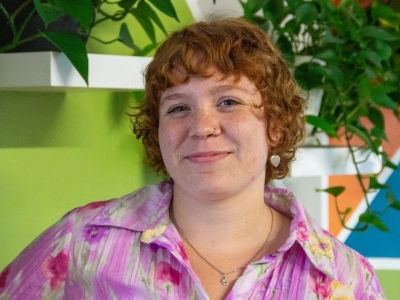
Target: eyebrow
(216,89)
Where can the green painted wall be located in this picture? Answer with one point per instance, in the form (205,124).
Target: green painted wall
(62,150)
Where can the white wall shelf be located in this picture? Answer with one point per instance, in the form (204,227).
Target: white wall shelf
(52,72)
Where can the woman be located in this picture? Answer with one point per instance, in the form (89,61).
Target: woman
(222,117)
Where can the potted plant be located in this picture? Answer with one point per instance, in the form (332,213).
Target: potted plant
(352,49)
(85,15)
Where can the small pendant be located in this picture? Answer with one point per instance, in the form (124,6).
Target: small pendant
(224,280)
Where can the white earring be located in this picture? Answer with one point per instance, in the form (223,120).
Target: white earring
(275,160)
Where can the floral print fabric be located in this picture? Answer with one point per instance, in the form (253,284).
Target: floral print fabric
(127,248)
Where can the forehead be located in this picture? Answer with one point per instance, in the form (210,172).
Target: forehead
(214,82)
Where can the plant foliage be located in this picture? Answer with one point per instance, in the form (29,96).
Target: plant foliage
(359,46)
(88,14)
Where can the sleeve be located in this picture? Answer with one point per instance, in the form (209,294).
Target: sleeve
(39,272)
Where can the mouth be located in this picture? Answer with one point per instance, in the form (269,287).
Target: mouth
(206,157)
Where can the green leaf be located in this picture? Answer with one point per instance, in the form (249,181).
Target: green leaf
(331,71)
(361,133)
(255,5)
(82,10)
(384,100)
(47,12)
(275,11)
(145,22)
(392,201)
(147,10)
(387,162)
(285,46)
(383,50)
(146,50)
(373,57)
(377,33)
(306,13)
(377,132)
(328,56)
(73,48)
(376,117)
(334,191)
(125,37)
(126,4)
(372,219)
(374,184)
(166,7)
(330,38)
(309,75)
(385,13)
(322,124)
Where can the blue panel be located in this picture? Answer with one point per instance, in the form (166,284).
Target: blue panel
(374,242)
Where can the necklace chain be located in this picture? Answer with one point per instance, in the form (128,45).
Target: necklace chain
(224,280)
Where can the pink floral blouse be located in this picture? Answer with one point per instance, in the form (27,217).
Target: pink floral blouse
(127,248)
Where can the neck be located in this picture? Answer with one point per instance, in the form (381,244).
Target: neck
(224,220)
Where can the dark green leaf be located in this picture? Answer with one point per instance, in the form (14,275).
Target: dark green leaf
(73,48)
(376,117)
(82,10)
(166,7)
(125,37)
(334,191)
(322,124)
(126,4)
(146,50)
(286,48)
(309,75)
(372,219)
(147,10)
(377,132)
(361,133)
(375,184)
(145,22)
(275,11)
(387,162)
(47,12)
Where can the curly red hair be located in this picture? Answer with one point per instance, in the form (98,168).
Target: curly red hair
(234,47)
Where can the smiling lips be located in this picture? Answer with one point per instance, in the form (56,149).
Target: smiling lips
(206,157)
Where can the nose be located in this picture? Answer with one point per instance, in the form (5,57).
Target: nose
(204,124)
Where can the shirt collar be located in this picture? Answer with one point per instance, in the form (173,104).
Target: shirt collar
(316,242)
(140,210)
(146,210)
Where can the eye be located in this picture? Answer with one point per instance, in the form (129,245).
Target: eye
(228,102)
(177,109)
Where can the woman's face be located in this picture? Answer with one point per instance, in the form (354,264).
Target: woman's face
(222,164)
